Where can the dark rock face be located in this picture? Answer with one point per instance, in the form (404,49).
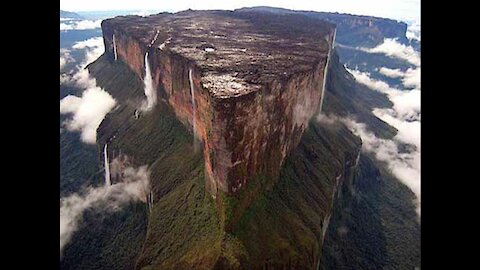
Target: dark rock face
(257,81)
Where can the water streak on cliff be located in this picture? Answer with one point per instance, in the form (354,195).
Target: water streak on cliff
(107,167)
(115,48)
(150,92)
(326,71)
(192,92)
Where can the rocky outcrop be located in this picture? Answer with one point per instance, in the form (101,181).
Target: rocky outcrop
(257,81)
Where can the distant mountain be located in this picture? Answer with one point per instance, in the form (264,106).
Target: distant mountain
(69,14)
(353,30)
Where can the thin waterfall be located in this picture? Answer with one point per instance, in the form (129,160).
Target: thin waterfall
(325,73)
(192,93)
(151,201)
(150,92)
(114,48)
(357,159)
(107,166)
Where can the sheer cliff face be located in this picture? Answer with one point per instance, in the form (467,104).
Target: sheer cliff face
(256,82)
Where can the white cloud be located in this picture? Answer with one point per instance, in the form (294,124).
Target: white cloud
(408,131)
(414,30)
(404,166)
(406,103)
(133,187)
(392,73)
(93,47)
(327,119)
(65,58)
(65,79)
(63,62)
(145,13)
(392,48)
(88,110)
(404,115)
(80,25)
(411,77)
(88,43)
(364,78)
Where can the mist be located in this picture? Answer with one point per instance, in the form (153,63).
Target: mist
(406,103)
(93,47)
(88,110)
(392,48)
(404,166)
(405,115)
(80,25)
(107,199)
(392,73)
(65,58)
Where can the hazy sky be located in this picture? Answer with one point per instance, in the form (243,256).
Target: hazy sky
(396,9)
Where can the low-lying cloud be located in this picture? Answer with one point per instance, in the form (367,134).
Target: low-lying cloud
(65,58)
(133,187)
(405,115)
(93,47)
(414,30)
(145,13)
(391,73)
(406,102)
(392,48)
(404,166)
(411,77)
(80,25)
(88,110)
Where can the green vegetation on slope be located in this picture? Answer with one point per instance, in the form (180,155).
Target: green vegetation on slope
(79,166)
(107,240)
(283,225)
(345,97)
(374,227)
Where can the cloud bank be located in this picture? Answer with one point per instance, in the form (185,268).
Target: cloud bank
(414,30)
(108,199)
(404,166)
(406,102)
(411,77)
(80,25)
(405,115)
(88,110)
(65,58)
(93,47)
(392,73)
(392,48)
